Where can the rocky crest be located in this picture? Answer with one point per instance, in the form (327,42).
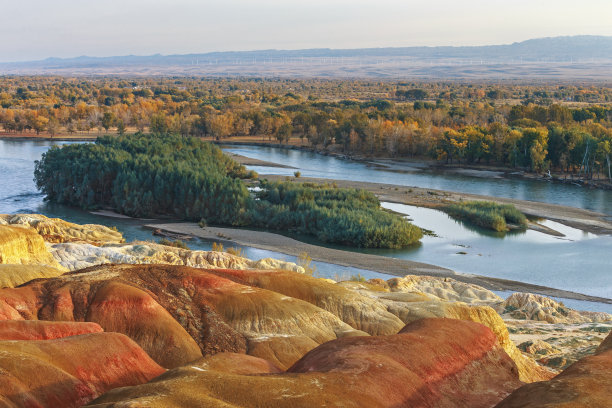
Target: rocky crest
(23,246)
(79,256)
(55,230)
(586,383)
(527,306)
(442,289)
(12,275)
(358,311)
(44,330)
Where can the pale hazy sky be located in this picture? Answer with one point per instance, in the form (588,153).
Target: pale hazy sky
(36,29)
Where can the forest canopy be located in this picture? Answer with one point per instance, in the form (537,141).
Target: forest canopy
(142,176)
(171,175)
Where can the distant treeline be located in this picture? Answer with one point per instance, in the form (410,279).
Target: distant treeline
(562,128)
(170,175)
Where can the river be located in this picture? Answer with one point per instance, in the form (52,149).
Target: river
(464,181)
(580,262)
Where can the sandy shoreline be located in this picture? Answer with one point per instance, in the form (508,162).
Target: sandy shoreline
(249,161)
(391,266)
(585,220)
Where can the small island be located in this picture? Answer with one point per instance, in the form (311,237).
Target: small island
(184,177)
(487,214)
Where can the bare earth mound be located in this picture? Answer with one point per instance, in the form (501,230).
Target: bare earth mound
(71,371)
(178,313)
(435,362)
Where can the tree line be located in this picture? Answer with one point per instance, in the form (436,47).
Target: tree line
(561,128)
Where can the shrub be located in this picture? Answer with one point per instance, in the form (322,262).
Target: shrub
(305,261)
(235,251)
(358,278)
(487,214)
(177,244)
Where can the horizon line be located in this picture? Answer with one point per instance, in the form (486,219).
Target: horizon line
(300,49)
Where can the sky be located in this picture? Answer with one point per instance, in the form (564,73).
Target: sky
(37,29)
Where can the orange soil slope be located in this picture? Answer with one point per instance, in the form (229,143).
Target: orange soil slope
(177,313)
(71,371)
(431,363)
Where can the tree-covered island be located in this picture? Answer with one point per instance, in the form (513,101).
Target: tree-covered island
(185,177)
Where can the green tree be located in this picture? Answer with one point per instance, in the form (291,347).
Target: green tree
(159,123)
(107,120)
(120,127)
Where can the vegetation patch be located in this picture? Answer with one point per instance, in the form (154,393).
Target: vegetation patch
(305,261)
(531,127)
(153,175)
(488,214)
(344,216)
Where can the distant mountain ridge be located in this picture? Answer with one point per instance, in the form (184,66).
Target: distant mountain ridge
(395,60)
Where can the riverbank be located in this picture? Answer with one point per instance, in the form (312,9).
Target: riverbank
(585,220)
(47,137)
(249,161)
(392,266)
(589,259)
